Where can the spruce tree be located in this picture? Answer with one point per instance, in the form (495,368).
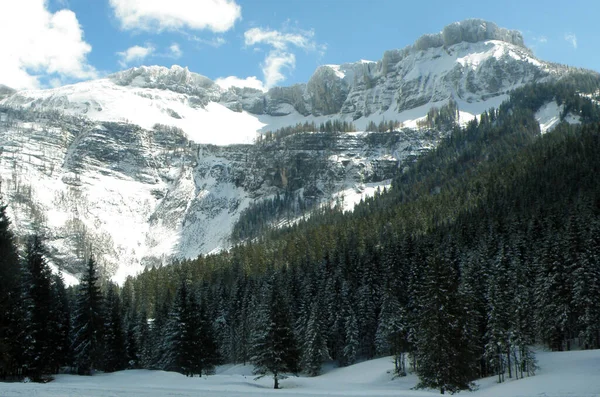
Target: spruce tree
(207,353)
(39,306)
(190,345)
(10,296)
(88,323)
(59,327)
(444,356)
(115,354)
(314,349)
(273,345)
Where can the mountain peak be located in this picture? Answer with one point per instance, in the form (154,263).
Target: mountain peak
(470,31)
(175,78)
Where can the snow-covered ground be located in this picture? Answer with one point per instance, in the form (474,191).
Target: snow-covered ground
(573,374)
(549,117)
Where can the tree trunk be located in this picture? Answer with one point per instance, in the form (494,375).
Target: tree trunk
(276,379)
(508,363)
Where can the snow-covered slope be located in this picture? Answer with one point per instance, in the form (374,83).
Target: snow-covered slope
(551,114)
(147,96)
(573,374)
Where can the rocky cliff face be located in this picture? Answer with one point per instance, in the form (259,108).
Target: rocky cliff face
(469,61)
(137,197)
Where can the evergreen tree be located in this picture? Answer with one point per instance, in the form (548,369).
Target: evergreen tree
(351,345)
(274,348)
(115,354)
(10,294)
(552,294)
(586,289)
(392,332)
(314,350)
(59,327)
(39,306)
(208,355)
(190,341)
(88,323)
(444,356)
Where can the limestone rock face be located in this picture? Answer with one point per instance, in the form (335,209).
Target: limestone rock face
(473,60)
(137,197)
(327,90)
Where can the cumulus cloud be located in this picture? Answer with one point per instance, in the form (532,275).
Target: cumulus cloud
(135,54)
(280,57)
(571,39)
(36,43)
(233,81)
(157,15)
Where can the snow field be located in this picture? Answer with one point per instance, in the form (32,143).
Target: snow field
(549,117)
(572,374)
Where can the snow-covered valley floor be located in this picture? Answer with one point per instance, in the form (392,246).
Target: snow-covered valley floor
(573,374)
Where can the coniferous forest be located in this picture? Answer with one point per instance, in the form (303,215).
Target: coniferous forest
(483,248)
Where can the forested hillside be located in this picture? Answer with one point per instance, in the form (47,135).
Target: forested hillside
(481,248)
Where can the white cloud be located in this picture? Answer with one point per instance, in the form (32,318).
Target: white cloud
(280,56)
(233,81)
(571,39)
(215,42)
(274,64)
(135,54)
(280,41)
(158,15)
(36,43)
(175,51)
(542,39)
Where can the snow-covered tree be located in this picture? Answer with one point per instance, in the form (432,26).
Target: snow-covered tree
(88,323)
(444,356)
(314,349)
(274,349)
(39,307)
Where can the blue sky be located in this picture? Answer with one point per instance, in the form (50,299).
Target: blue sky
(262,42)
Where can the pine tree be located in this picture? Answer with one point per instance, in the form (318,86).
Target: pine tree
(39,306)
(59,327)
(208,355)
(444,356)
(352,344)
(586,289)
(499,348)
(392,332)
(273,345)
(88,323)
(190,345)
(175,338)
(115,357)
(314,350)
(10,294)
(132,344)
(552,294)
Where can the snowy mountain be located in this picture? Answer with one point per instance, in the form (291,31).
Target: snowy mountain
(126,166)
(473,62)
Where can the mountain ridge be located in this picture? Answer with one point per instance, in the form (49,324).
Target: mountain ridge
(470,61)
(127,165)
